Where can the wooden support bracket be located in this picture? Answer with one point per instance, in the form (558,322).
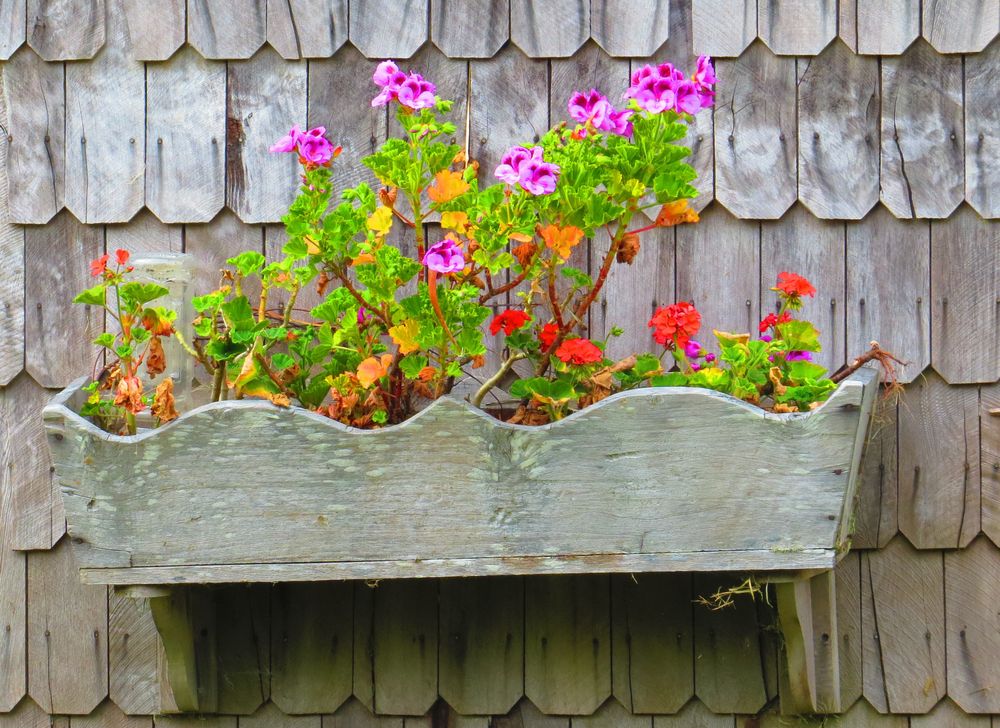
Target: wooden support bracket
(810,674)
(184,620)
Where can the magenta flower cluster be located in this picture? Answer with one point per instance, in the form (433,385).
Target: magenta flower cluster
(445,257)
(411,90)
(594,109)
(665,88)
(312,147)
(527,168)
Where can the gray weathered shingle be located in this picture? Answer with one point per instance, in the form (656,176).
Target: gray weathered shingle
(226,28)
(723,28)
(66,30)
(549,28)
(12,22)
(629,27)
(960,26)
(879,27)
(307,28)
(453,21)
(389,28)
(156,29)
(797,27)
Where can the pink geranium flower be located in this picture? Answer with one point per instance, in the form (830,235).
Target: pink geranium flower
(528,169)
(445,257)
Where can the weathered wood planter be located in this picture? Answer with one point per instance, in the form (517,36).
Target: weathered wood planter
(662,479)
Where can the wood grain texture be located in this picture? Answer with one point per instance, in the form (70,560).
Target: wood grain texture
(481,650)
(388,28)
(226,29)
(948,715)
(648,25)
(879,27)
(34,95)
(353,714)
(66,620)
(728,669)
(195,721)
(156,29)
(145,234)
(878,491)
(972,591)
(810,674)
(13,638)
(405,647)
(567,643)
(549,28)
(652,641)
(109,715)
(240,631)
(212,243)
(989,458)
(797,27)
(185,138)
(266,95)
(26,715)
(613,715)
(939,487)
(11,283)
(526,715)
(720,252)
(105,129)
(57,335)
(960,26)
(923,143)
(307,28)
(814,248)
(65,30)
(133,667)
(755,135)
(723,28)
(12,27)
(902,612)
(270,716)
(982,132)
(848,586)
(694,715)
(505,110)
(451,21)
(889,289)
(312,638)
(965,279)
(838,133)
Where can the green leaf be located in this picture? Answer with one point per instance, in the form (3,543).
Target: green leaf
(412,364)
(282,361)
(238,314)
(92,296)
(124,351)
(380,417)
(579,278)
(208,302)
(139,294)
(646,364)
(106,339)
(799,336)
(247,263)
(670,379)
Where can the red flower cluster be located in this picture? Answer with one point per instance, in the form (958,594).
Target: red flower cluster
(100,265)
(794,285)
(510,321)
(579,351)
(548,335)
(772,320)
(675,324)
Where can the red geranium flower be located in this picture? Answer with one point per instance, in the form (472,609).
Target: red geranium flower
(579,351)
(772,320)
(121,256)
(675,324)
(548,335)
(510,321)
(97,267)
(794,285)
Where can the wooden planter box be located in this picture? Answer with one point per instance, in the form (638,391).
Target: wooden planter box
(660,479)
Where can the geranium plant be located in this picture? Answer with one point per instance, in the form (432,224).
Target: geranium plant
(395,330)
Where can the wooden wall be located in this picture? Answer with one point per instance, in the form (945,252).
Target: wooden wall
(857,143)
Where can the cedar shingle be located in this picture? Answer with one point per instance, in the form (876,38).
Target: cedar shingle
(226,29)
(307,28)
(797,27)
(66,30)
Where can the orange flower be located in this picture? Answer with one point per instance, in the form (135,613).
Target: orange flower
(794,286)
(579,351)
(676,213)
(561,240)
(98,266)
(447,186)
(372,369)
(121,256)
(674,325)
(524,253)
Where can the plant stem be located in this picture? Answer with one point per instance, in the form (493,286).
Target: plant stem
(493,381)
(217,379)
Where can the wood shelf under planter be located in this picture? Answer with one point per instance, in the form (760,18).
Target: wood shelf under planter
(651,480)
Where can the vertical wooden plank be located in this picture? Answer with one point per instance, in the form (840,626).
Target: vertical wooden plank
(567,652)
(388,28)
(145,234)
(66,30)
(312,639)
(105,129)
(718,269)
(13,615)
(939,486)
(270,716)
(243,646)
(879,27)
(723,28)
(306,28)
(876,515)
(965,325)
(526,715)
(613,715)
(481,651)
(226,28)
(549,28)
(647,27)
(728,670)
(364,645)
(948,715)
(902,622)
(755,135)
(452,19)
(972,593)
(26,715)
(960,26)
(848,576)
(989,458)
(212,243)
(353,714)
(694,715)
(12,27)
(11,283)
(889,289)
(67,635)
(156,29)
(838,133)
(34,93)
(266,95)
(109,715)
(58,335)
(982,131)
(405,646)
(504,106)
(651,639)
(195,721)
(797,27)
(922,139)
(133,682)
(185,138)
(804,244)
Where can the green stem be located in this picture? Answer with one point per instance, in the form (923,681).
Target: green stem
(493,381)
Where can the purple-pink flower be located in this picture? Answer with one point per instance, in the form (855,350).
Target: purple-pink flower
(411,90)
(594,108)
(445,257)
(798,356)
(664,88)
(692,348)
(313,148)
(528,169)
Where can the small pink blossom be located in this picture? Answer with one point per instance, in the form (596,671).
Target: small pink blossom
(528,169)
(445,257)
(288,142)
(664,88)
(593,108)
(411,90)
(510,163)
(313,148)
